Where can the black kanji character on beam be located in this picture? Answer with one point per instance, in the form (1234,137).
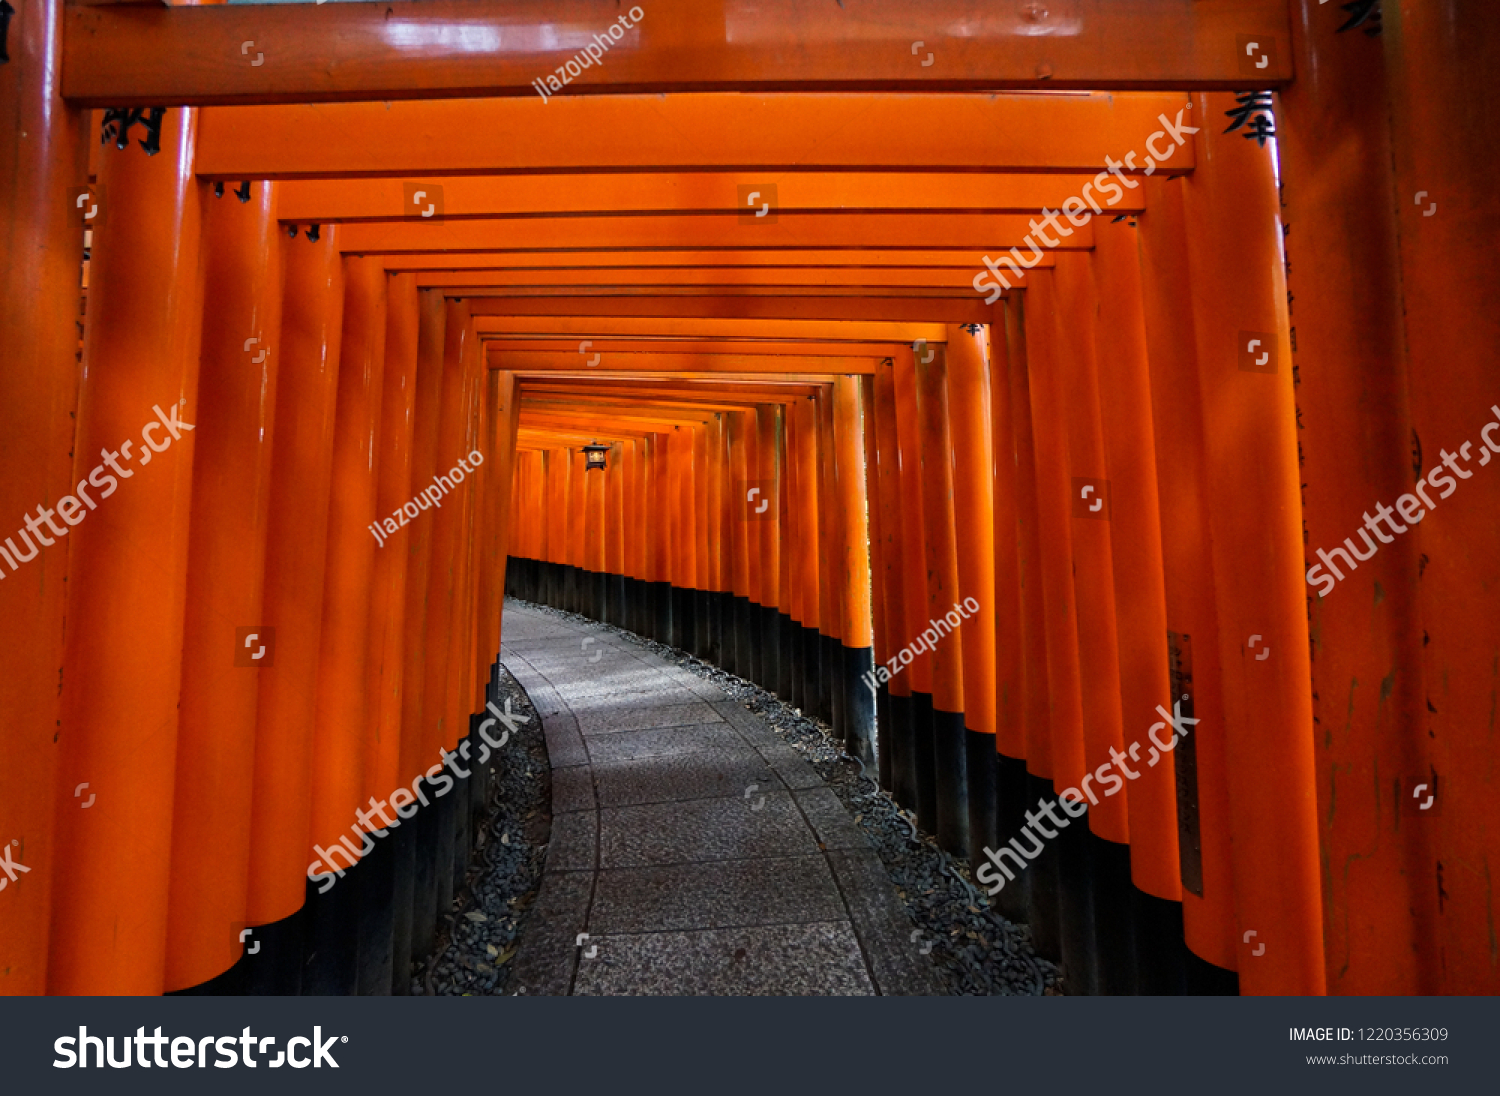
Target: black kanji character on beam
(118,122)
(6,11)
(1254,111)
(1362,12)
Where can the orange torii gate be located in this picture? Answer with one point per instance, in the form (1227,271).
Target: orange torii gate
(1122,362)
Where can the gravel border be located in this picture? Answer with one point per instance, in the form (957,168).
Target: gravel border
(479,936)
(975,950)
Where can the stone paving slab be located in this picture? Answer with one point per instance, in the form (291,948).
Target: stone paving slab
(725,894)
(704,774)
(662,741)
(604,719)
(764,824)
(692,851)
(767,960)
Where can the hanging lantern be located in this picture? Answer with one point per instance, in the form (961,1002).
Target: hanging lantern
(593,456)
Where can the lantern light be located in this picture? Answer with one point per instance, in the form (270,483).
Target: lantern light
(593,456)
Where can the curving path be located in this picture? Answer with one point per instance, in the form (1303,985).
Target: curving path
(698,852)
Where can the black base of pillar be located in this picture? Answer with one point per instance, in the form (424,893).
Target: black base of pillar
(376,915)
(859,703)
(661,604)
(1042,912)
(617,585)
(924,761)
(275,970)
(753,652)
(1075,906)
(1011,803)
(601,596)
(714,644)
(1160,951)
(735,652)
(447,837)
(981,768)
(633,599)
(809,665)
(703,624)
(903,752)
(831,671)
(788,632)
(1205,979)
(1112,902)
(404,852)
(883,736)
(331,939)
(951,781)
(462,833)
(424,902)
(770,647)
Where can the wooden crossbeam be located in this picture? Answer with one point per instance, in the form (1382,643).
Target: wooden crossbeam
(1002,133)
(129,55)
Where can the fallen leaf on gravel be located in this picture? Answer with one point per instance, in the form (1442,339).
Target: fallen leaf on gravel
(476,917)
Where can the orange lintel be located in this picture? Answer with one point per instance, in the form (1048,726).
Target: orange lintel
(988,232)
(324,201)
(999,133)
(129,56)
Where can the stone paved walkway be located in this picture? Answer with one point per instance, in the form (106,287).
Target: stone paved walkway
(698,852)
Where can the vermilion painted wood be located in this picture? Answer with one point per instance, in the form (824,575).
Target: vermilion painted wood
(127,577)
(462,639)
(1049,396)
(394,488)
(442,49)
(1448,282)
(622,275)
(958,258)
(309,346)
(772,133)
(1140,605)
(1093,575)
(940,558)
(877,518)
(504,488)
(913,552)
(432,317)
(832,587)
(1249,430)
(890,571)
(802,316)
(996,233)
(1036,692)
(974,520)
(853,548)
(215,763)
(1009,636)
(1209,919)
(43,152)
(327,201)
(768,526)
(804,413)
(447,537)
(343,709)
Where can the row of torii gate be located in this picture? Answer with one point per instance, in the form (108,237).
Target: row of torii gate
(756,251)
